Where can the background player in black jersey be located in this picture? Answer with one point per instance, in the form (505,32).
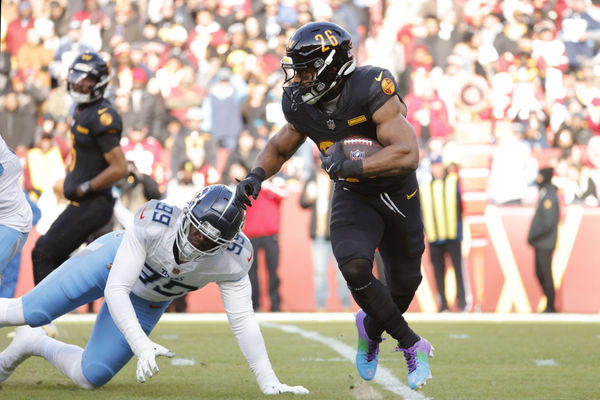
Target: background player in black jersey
(376,202)
(97,164)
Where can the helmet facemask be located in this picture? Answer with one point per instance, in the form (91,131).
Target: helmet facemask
(79,72)
(209,205)
(187,251)
(325,75)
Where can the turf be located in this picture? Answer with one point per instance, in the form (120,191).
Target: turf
(473,360)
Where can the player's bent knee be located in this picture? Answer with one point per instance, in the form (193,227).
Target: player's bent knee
(357,272)
(37,318)
(96,374)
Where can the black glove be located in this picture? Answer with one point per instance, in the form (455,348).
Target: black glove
(250,186)
(336,165)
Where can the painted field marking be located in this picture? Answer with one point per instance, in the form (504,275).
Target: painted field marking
(459,336)
(182,362)
(545,363)
(384,376)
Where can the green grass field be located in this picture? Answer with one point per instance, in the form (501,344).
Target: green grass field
(473,360)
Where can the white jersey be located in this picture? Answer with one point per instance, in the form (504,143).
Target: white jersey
(15,211)
(155,227)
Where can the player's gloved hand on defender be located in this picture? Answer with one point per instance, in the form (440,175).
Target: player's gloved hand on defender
(279,388)
(334,162)
(249,186)
(146,365)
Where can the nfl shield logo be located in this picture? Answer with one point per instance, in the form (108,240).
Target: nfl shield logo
(331,124)
(357,155)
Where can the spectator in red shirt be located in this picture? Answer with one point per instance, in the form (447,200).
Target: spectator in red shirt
(262,228)
(16,34)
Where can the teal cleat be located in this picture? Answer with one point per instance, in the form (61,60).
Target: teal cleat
(417,360)
(367,353)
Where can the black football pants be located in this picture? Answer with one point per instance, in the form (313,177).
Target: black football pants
(71,229)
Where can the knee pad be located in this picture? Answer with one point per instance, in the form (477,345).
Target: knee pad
(96,373)
(37,318)
(358,273)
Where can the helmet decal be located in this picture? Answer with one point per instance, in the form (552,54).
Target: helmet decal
(320,54)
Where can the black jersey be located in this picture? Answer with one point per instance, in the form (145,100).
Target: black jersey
(364,92)
(95,131)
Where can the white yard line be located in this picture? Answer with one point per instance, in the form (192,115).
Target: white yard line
(384,376)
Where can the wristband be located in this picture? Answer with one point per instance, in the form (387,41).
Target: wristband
(351,169)
(259,173)
(85,187)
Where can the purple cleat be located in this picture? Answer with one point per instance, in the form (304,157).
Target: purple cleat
(417,360)
(367,353)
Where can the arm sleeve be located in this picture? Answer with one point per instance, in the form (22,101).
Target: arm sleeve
(124,272)
(237,300)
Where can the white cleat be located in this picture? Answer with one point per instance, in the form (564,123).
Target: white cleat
(19,349)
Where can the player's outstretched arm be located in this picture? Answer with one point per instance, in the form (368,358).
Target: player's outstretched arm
(125,271)
(269,161)
(237,301)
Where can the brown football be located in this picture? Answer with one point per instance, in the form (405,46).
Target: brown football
(359,147)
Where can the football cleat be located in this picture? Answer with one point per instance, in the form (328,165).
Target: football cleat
(367,354)
(19,349)
(417,361)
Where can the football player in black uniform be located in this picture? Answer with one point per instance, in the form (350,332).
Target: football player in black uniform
(376,202)
(97,164)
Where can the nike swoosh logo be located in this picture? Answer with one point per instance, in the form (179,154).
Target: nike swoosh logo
(142,214)
(329,168)
(410,196)
(378,79)
(153,306)
(250,258)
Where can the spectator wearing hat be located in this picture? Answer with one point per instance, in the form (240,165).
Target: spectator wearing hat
(543,233)
(68,48)
(16,33)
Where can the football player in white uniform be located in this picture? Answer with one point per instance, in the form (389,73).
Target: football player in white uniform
(167,253)
(15,212)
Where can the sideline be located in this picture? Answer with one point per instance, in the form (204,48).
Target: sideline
(349,317)
(384,376)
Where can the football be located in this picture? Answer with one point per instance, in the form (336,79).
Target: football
(359,147)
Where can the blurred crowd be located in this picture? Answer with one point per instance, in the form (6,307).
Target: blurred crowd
(198,85)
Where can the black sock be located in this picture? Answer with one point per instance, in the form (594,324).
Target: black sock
(382,314)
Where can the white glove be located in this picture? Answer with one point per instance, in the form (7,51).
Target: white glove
(279,388)
(146,365)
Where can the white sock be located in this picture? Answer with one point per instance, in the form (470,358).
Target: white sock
(11,312)
(66,358)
